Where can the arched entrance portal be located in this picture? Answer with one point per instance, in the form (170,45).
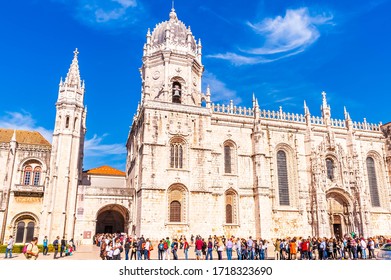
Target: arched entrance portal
(338,209)
(112,218)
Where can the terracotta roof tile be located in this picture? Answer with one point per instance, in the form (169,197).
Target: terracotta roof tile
(23,137)
(105,170)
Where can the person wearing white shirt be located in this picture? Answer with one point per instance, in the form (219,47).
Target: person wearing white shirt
(10,246)
(363,248)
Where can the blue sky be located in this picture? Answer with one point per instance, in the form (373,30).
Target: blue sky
(283,51)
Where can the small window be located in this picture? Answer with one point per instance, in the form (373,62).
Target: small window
(27,175)
(175,211)
(37,176)
(80,211)
(67,122)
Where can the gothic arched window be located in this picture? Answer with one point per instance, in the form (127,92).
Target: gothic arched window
(24,229)
(175,211)
(230,207)
(177,196)
(31,173)
(176,92)
(283,184)
(37,176)
(176,158)
(330,168)
(229,157)
(27,175)
(20,232)
(372,180)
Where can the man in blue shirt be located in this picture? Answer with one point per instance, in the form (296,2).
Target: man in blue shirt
(45,245)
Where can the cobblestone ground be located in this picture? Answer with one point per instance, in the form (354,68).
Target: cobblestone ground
(91,252)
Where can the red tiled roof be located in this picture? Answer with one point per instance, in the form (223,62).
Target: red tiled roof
(105,170)
(23,137)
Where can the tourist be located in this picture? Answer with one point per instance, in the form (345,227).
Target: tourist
(186,248)
(55,246)
(209,255)
(32,249)
(174,249)
(198,248)
(10,246)
(63,246)
(167,244)
(229,246)
(127,246)
(160,249)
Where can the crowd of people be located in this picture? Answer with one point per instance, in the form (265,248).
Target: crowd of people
(220,247)
(31,250)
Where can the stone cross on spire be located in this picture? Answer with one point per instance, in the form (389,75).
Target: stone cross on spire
(73,76)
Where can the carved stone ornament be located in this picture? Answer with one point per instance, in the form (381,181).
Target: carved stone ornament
(156,75)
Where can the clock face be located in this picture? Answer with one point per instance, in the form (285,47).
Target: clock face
(156,75)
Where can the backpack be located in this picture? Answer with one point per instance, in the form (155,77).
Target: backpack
(24,250)
(165,245)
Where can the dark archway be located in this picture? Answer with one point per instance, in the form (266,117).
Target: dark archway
(339,209)
(111,219)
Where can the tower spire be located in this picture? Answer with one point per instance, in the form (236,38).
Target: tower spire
(73,76)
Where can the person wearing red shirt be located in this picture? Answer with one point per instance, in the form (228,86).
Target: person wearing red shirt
(198,248)
(305,245)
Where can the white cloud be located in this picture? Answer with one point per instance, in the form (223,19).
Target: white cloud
(297,30)
(24,121)
(281,37)
(219,90)
(93,147)
(239,59)
(103,12)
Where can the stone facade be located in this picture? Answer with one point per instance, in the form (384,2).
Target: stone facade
(203,168)
(194,167)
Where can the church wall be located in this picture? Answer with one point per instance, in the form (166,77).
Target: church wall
(104,181)
(97,192)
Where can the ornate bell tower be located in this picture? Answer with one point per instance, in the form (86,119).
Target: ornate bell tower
(172,68)
(66,157)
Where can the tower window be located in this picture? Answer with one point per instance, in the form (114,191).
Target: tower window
(176,92)
(67,122)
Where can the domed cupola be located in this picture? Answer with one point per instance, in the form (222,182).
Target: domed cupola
(172,69)
(171,35)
